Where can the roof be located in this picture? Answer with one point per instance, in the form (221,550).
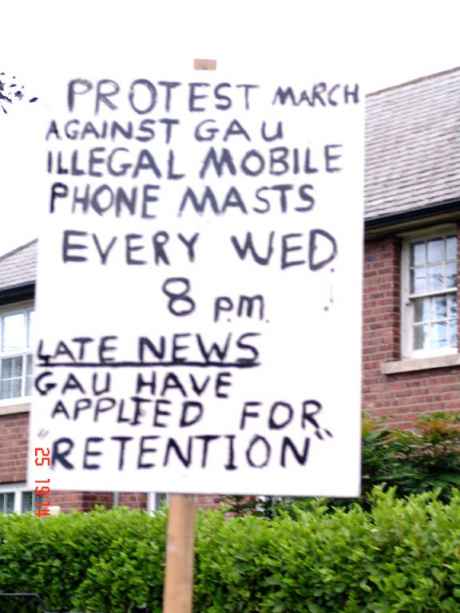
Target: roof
(413,145)
(17,267)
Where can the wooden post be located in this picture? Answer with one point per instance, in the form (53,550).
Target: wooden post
(178,587)
(204,64)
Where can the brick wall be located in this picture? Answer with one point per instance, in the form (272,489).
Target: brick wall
(92,499)
(206,501)
(135,500)
(68,501)
(13,447)
(401,397)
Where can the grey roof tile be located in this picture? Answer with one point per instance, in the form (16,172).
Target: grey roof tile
(413,145)
(18,267)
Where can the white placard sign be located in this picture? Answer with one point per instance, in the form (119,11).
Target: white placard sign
(199,286)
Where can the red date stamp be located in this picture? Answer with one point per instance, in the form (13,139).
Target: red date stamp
(42,490)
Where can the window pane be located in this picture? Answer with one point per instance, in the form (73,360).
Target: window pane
(451,274)
(10,502)
(10,378)
(452,305)
(10,388)
(453,333)
(422,309)
(439,335)
(14,332)
(435,277)
(420,336)
(451,248)
(436,253)
(418,281)
(418,254)
(440,307)
(5,389)
(160,499)
(27,503)
(11,367)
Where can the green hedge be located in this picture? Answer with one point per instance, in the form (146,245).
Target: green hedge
(402,556)
(411,462)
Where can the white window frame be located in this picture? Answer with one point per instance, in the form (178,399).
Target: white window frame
(14,309)
(18,489)
(155,500)
(407,305)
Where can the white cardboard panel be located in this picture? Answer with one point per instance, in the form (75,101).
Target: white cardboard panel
(248,380)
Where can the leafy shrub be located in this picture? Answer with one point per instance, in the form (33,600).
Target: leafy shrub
(411,462)
(401,556)
(58,557)
(414,461)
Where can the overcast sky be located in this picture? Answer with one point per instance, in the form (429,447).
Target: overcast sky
(384,43)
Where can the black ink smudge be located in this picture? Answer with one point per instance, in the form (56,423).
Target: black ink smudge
(11,92)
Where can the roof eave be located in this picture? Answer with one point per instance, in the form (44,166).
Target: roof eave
(412,219)
(17,293)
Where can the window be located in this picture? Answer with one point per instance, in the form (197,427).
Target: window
(155,501)
(429,295)
(27,502)
(7,502)
(13,499)
(16,328)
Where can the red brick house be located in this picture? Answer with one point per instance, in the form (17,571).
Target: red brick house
(411,360)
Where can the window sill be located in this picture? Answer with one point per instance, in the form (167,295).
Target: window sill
(10,407)
(412,365)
